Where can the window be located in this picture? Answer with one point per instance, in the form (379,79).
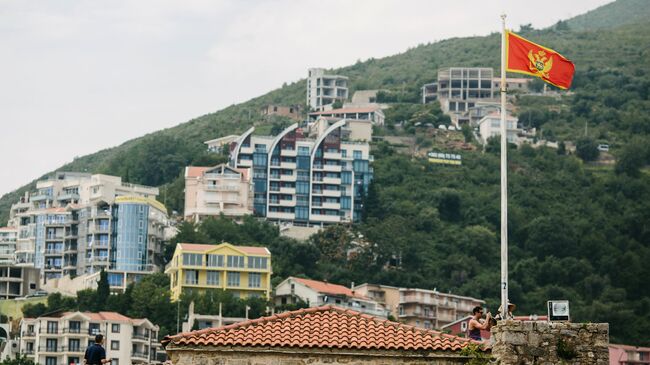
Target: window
(191,277)
(254,280)
(233,279)
(255,262)
(357,155)
(213,278)
(302,187)
(51,344)
(235,261)
(115,328)
(52,327)
(50,360)
(115,345)
(93,329)
(215,261)
(192,259)
(115,362)
(74,326)
(74,344)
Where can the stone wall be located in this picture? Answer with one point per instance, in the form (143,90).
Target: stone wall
(537,342)
(306,356)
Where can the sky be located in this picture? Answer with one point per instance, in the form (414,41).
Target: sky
(80,76)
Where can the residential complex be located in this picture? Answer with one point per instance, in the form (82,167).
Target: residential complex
(373,114)
(304,180)
(628,355)
(220,145)
(243,271)
(490,126)
(212,191)
(318,293)
(8,237)
(420,307)
(78,224)
(324,90)
(16,282)
(62,338)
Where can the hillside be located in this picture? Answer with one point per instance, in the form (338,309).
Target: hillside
(614,14)
(577,231)
(619,52)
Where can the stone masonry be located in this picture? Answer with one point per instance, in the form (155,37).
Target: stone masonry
(536,342)
(236,355)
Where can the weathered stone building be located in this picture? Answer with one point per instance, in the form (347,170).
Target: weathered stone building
(322,335)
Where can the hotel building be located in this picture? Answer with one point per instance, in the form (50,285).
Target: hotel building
(77,224)
(302,180)
(8,237)
(212,191)
(243,271)
(62,338)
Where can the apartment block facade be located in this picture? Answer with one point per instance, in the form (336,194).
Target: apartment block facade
(212,191)
(16,282)
(318,293)
(305,181)
(420,307)
(77,224)
(490,126)
(62,338)
(242,270)
(324,89)
(8,236)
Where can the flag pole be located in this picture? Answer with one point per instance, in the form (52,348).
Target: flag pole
(504,177)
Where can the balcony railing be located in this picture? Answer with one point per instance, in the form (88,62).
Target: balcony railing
(140,354)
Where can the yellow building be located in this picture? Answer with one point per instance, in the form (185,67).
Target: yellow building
(243,271)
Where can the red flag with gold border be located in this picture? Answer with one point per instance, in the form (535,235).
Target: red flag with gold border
(526,57)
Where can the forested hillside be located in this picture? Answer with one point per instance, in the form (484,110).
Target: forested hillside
(577,231)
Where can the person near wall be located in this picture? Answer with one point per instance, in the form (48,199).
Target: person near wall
(476,324)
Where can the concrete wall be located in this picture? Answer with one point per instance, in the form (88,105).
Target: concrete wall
(528,342)
(259,356)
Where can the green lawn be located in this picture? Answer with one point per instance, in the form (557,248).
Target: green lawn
(13,308)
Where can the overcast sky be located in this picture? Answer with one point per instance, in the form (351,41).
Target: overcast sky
(79,76)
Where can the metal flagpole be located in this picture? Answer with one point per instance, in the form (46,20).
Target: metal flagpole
(504,177)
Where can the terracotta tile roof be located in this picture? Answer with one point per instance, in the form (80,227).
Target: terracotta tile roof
(8,228)
(203,247)
(322,327)
(195,171)
(327,288)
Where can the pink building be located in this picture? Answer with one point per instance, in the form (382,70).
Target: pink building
(626,355)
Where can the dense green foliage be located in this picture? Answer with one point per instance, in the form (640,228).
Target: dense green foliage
(576,231)
(19,360)
(611,15)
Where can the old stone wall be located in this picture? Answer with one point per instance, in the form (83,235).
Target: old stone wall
(262,356)
(537,342)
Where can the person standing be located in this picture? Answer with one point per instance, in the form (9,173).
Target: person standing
(95,354)
(475,325)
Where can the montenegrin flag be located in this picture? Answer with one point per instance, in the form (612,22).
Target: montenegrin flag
(526,57)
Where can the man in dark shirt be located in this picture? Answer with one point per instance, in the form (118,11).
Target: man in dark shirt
(95,354)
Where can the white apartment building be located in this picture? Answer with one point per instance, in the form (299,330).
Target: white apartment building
(8,237)
(324,90)
(490,126)
(303,180)
(221,144)
(61,338)
(77,224)
(372,113)
(353,130)
(211,191)
(16,282)
(318,293)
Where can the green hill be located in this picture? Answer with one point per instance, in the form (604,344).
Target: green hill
(614,14)
(577,231)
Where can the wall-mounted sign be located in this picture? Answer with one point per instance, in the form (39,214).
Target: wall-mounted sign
(558,310)
(444,158)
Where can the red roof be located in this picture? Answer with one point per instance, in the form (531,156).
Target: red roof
(195,171)
(347,110)
(251,250)
(322,327)
(326,288)
(101,316)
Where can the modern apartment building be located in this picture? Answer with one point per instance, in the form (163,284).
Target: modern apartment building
(324,90)
(77,224)
(490,126)
(305,181)
(244,271)
(420,307)
(16,282)
(373,114)
(318,293)
(8,237)
(221,144)
(353,130)
(62,338)
(212,191)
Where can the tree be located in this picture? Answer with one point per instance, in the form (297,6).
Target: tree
(103,289)
(631,159)
(467,133)
(587,149)
(19,360)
